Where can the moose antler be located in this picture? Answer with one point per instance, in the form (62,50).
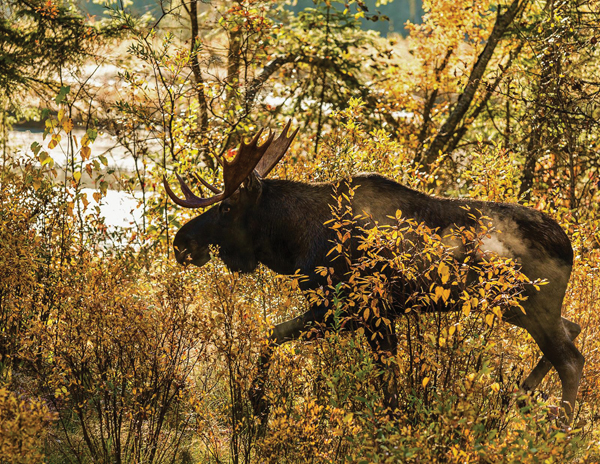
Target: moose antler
(250,156)
(275,151)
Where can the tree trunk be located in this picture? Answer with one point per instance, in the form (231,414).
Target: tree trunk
(463,104)
(198,79)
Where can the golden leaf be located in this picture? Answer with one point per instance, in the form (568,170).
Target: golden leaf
(444,272)
(68,125)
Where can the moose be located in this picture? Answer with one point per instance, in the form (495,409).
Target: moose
(282,224)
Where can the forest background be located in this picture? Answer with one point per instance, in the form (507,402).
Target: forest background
(111,352)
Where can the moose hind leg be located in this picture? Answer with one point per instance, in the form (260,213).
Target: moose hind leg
(559,349)
(544,365)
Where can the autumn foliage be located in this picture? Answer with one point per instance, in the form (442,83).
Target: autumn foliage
(112,352)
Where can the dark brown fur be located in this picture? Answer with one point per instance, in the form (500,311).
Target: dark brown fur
(281,224)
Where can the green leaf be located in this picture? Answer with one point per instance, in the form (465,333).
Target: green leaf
(35,148)
(45,158)
(62,94)
(92,134)
(103,187)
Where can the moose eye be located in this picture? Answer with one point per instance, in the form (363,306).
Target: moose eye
(225,208)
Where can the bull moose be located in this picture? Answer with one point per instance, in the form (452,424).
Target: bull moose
(281,224)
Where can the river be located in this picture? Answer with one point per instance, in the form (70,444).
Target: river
(119,208)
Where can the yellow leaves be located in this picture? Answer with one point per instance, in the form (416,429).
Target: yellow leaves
(54,141)
(48,8)
(466,308)
(441,292)
(425,381)
(61,391)
(45,158)
(295,285)
(67,125)
(444,272)
(85,152)
(25,424)
(51,124)
(497,312)
(337,248)
(85,200)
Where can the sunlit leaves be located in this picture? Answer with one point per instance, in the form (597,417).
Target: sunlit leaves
(24,424)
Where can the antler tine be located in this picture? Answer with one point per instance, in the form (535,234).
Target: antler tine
(187,192)
(191,200)
(238,169)
(275,151)
(210,187)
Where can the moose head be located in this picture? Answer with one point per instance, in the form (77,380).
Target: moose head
(227,224)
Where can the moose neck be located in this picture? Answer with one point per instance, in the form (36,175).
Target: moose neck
(288,225)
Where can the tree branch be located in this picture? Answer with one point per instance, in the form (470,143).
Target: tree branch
(351,81)
(490,89)
(466,98)
(431,100)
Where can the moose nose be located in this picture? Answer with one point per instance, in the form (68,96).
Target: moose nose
(182,256)
(189,252)
(183,248)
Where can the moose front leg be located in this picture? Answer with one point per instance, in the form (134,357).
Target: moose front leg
(384,343)
(282,333)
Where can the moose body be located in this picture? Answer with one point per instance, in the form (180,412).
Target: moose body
(282,224)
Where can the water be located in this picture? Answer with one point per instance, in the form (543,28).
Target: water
(120,209)
(21,138)
(398,11)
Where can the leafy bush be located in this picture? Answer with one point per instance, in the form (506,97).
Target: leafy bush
(110,352)
(23,428)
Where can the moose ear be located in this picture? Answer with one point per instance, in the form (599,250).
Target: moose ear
(253,184)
